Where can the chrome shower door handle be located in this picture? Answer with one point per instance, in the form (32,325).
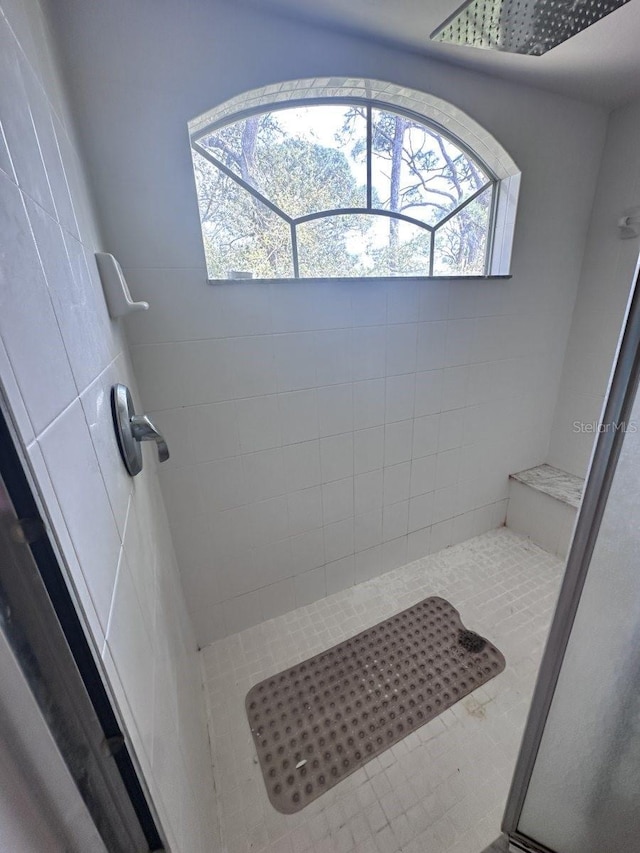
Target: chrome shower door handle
(143,429)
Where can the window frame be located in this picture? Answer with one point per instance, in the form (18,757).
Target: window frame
(370,104)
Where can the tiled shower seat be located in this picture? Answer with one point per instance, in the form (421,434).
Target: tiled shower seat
(543,505)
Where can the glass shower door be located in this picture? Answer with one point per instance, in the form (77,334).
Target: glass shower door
(576,787)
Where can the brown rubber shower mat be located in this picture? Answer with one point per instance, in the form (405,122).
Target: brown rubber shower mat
(321,720)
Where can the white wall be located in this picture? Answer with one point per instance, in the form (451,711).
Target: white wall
(321,432)
(59,355)
(605,283)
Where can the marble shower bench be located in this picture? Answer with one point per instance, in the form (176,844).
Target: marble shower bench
(543,504)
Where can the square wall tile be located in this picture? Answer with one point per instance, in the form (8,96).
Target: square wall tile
(28,325)
(96,404)
(340,574)
(304,510)
(401,348)
(368,403)
(310,586)
(210,374)
(368,352)
(63,545)
(71,460)
(334,357)
(18,127)
(433,300)
(211,485)
(397,479)
(336,457)
(242,612)
(368,449)
(395,520)
(368,530)
(301,465)
(278,598)
(264,475)
(368,491)
(132,652)
(337,500)
(41,116)
(423,475)
(258,423)
(12,394)
(369,304)
(402,301)
(335,409)
(295,361)
(271,563)
(420,512)
(454,387)
(338,540)
(161,371)
(182,492)
(263,522)
(307,550)
(429,397)
(252,365)
(368,564)
(298,416)
(209,623)
(430,346)
(425,436)
(400,397)
(394,553)
(459,342)
(418,544)
(398,442)
(224,429)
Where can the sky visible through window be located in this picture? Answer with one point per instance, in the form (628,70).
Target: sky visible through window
(414,202)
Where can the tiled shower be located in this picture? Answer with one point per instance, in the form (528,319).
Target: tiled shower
(339,449)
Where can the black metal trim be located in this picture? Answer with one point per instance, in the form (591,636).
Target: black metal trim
(18,488)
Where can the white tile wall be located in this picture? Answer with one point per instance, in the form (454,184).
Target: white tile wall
(270,494)
(605,284)
(59,355)
(304,369)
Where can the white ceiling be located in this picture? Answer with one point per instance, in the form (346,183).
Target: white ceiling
(601,64)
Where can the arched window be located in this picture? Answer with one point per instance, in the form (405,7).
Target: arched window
(350,178)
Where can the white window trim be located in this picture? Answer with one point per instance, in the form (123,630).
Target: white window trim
(434,111)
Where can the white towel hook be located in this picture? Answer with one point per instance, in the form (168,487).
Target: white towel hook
(629,223)
(116,290)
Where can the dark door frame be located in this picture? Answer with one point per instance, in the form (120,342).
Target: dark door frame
(40,623)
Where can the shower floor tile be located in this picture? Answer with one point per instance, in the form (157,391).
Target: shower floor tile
(440,790)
